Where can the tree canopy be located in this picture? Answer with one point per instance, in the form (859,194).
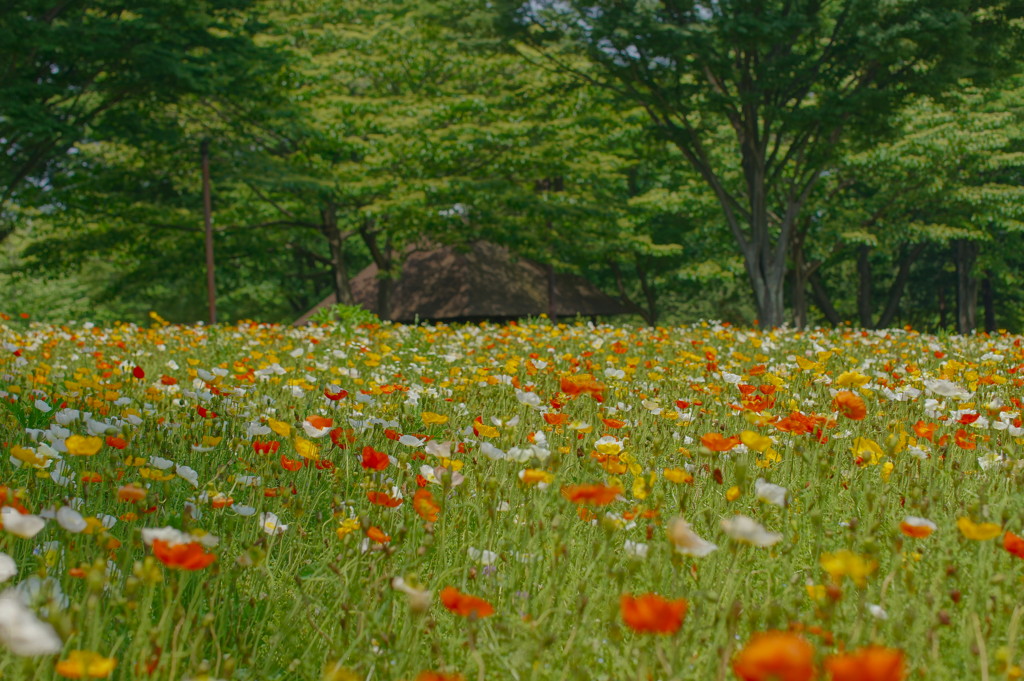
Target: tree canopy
(692,158)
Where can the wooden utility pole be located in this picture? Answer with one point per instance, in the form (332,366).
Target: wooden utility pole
(211,286)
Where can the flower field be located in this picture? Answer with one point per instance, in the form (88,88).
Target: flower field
(528,501)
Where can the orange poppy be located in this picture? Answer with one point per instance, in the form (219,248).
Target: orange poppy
(383,499)
(776,656)
(652,613)
(918,528)
(374,460)
(342,437)
(555,419)
(598,495)
(925,430)
(583,384)
(221,501)
(438,676)
(850,405)
(964,440)
(290,464)
(132,493)
(716,442)
(319,422)
(614,424)
(377,535)
(464,604)
(85,664)
(425,505)
(1013,544)
(189,556)
(874,663)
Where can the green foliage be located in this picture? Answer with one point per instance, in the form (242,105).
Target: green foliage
(760,97)
(75,69)
(678,156)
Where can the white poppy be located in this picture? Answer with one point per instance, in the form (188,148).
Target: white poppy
(769,493)
(8,568)
(22,632)
(686,541)
(270,523)
(71,520)
(482,557)
(747,530)
(938,386)
(22,525)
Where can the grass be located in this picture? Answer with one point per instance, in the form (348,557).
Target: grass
(317,601)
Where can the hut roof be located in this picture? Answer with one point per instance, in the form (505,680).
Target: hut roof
(481,282)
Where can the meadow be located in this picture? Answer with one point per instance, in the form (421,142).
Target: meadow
(524,501)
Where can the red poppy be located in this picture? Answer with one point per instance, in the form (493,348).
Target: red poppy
(464,604)
(116,442)
(189,556)
(374,460)
(1013,544)
(341,394)
(651,613)
(266,447)
(138,372)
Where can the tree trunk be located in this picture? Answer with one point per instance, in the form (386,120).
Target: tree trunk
(965,253)
(799,291)
(767,278)
(765,260)
(384,259)
(650,294)
(899,285)
(988,300)
(335,242)
(943,307)
(823,300)
(864,289)
(624,296)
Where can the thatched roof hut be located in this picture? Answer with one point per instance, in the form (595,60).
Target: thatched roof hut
(481,282)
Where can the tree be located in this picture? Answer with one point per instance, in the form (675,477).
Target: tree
(948,189)
(785,84)
(67,68)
